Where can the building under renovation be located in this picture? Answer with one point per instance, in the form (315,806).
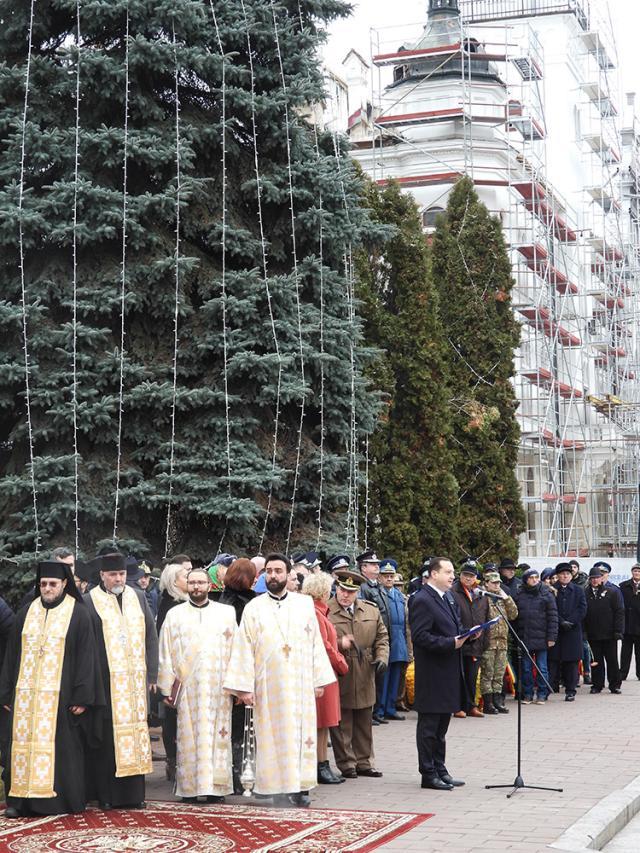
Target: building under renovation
(523,96)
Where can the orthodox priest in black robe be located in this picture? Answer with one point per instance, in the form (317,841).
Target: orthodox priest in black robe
(128,651)
(49,685)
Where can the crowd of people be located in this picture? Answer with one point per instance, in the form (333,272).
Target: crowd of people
(254,667)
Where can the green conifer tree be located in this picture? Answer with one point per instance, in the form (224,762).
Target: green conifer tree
(412,492)
(472,272)
(198,81)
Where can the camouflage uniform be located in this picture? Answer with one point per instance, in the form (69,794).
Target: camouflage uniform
(494,658)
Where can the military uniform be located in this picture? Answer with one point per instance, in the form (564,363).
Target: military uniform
(352,739)
(494,657)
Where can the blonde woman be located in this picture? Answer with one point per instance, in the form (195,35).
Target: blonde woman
(328,705)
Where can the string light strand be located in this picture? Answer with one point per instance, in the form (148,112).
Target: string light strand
(23,288)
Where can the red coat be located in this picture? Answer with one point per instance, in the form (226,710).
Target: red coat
(328,705)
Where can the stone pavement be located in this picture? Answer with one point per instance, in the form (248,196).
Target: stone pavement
(590,748)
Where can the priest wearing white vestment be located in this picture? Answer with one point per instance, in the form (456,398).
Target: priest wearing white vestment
(279,665)
(195,646)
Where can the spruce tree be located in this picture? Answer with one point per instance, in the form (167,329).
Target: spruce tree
(197,81)
(412,491)
(472,272)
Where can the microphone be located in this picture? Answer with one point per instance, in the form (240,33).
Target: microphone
(489,594)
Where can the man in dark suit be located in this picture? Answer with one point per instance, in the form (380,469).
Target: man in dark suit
(439,683)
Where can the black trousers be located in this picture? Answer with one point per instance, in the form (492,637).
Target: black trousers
(630,643)
(431,733)
(605,650)
(471,668)
(565,671)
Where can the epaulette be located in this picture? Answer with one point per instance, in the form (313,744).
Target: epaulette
(370,603)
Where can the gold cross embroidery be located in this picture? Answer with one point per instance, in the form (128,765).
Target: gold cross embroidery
(287,650)
(308,629)
(228,633)
(309,742)
(223,732)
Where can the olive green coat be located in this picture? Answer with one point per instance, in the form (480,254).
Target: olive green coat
(357,687)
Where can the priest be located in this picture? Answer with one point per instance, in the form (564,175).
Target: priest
(195,647)
(50,687)
(279,665)
(128,651)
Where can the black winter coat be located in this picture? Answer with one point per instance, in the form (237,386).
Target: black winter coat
(473,612)
(512,587)
(7,618)
(572,608)
(439,682)
(375,593)
(631,599)
(537,621)
(605,613)
(237,598)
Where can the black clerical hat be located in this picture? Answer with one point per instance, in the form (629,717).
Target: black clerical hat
(59,571)
(112,563)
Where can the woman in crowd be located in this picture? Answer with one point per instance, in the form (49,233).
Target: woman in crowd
(328,705)
(173,591)
(238,592)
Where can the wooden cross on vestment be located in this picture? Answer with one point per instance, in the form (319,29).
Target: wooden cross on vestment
(287,650)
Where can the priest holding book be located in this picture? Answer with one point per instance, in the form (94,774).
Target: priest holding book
(195,647)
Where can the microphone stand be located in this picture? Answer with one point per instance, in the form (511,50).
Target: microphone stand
(518,784)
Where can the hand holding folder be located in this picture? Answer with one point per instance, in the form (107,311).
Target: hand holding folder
(477,629)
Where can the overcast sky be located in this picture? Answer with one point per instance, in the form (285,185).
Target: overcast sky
(354,32)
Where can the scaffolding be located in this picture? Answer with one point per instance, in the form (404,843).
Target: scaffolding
(471,100)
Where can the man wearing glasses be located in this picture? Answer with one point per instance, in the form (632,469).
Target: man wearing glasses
(48,685)
(195,647)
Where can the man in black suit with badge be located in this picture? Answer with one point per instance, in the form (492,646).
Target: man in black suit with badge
(439,682)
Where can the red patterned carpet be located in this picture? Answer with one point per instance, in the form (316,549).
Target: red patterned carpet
(175,827)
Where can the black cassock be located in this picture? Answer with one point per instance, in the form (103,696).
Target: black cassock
(79,685)
(102,783)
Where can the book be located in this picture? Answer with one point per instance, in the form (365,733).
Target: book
(176,692)
(482,627)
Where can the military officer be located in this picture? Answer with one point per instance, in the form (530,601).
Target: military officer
(364,641)
(372,590)
(398,645)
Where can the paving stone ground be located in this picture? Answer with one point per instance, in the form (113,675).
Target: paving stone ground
(589,747)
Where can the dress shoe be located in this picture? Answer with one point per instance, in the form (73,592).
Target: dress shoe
(616,690)
(595,690)
(213,799)
(475,712)
(326,776)
(105,806)
(140,805)
(435,783)
(191,800)
(12,812)
(350,773)
(369,771)
(381,720)
(449,780)
(394,717)
(460,715)
(302,799)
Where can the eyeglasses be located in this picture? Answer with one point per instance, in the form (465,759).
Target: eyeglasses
(49,583)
